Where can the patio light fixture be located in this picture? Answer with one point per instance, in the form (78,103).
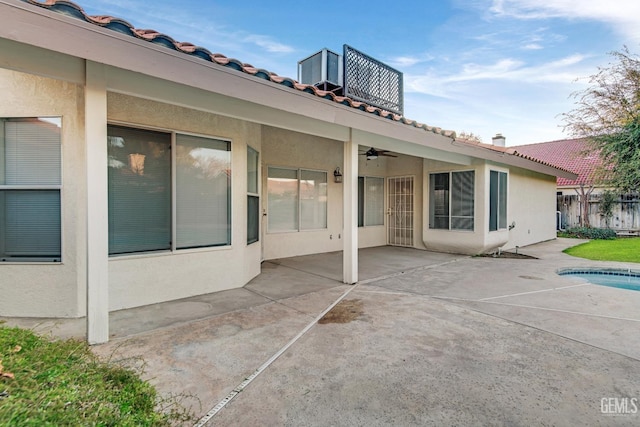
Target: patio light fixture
(337,175)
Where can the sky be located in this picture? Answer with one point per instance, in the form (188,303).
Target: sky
(474,66)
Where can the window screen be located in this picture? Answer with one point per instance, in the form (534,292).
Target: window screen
(253,199)
(297,199)
(30,155)
(451,200)
(370,201)
(139,190)
(497,201)
(313,200)
(203,192)
(282,188)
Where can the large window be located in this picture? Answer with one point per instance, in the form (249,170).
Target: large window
(297,199)
(203,192)
(370,201)
(451,200)
(497,201)
(253,198)
(30,184)
(141,203)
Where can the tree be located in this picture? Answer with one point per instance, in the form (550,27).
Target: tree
(584,195)
(607,113)
(469,136)
(608,200)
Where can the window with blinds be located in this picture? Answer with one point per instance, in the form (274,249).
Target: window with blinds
(497,201)
(30,185)
(451,200)
(253,197)
(139,190)
(203,192)
(144,214)
(370,201)
(297,199)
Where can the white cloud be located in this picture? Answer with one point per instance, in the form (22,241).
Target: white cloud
(532,46)
(564,71)
(269,44)
(622,15)
(406,61)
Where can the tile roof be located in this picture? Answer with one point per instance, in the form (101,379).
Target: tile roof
(120,25)
(514,151)
(569,154)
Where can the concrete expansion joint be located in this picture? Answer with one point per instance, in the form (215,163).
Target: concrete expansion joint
(278,301)
(240,387)
(452,300)
(305,271)
(411,270)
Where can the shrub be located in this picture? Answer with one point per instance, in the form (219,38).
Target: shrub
(590,233)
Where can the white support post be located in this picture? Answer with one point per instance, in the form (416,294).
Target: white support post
(95,101)
(350,212)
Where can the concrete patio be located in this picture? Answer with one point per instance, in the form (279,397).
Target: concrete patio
(423,339)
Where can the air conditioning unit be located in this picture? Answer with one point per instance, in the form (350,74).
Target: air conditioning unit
(323,69)
(355,75)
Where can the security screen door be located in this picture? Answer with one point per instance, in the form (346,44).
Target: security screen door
(400,211)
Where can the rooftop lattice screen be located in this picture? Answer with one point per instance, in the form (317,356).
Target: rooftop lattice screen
(369,80)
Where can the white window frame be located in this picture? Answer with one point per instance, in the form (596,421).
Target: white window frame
(450,201)
(255,195)
(364,201)
(43,187)
(173,147)
(298,227)
(501,220)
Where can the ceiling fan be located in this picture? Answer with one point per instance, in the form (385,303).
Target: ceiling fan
(373,154)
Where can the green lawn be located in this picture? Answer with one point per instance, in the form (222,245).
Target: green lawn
(62,383)
(624,250)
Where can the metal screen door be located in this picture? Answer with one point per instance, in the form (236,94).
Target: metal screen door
(400,210)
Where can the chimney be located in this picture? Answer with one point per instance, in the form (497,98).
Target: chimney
(498,140)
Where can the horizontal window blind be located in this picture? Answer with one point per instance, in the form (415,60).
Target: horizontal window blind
(203,192)
(313,200)
(282,189)
(139,190)
(30,221)
(374,201)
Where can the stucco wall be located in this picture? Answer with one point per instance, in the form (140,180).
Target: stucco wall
(52,289)
(371,236)
(283,148)
(532,205)
(460,241)
(392,167)
(146,279)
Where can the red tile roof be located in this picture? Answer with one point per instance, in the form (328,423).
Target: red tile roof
(116,24)
(570,154)
(514,152)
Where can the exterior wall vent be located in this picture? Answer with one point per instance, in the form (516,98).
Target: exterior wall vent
(356,75)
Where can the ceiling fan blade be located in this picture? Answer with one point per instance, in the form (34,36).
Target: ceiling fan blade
(385,153)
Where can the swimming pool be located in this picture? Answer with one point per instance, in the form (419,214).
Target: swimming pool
(612,277)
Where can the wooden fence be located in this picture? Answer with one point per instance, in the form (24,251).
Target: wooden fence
(625,218)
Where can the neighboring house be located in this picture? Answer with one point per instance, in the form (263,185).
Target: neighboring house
(575,196)
(136,169)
